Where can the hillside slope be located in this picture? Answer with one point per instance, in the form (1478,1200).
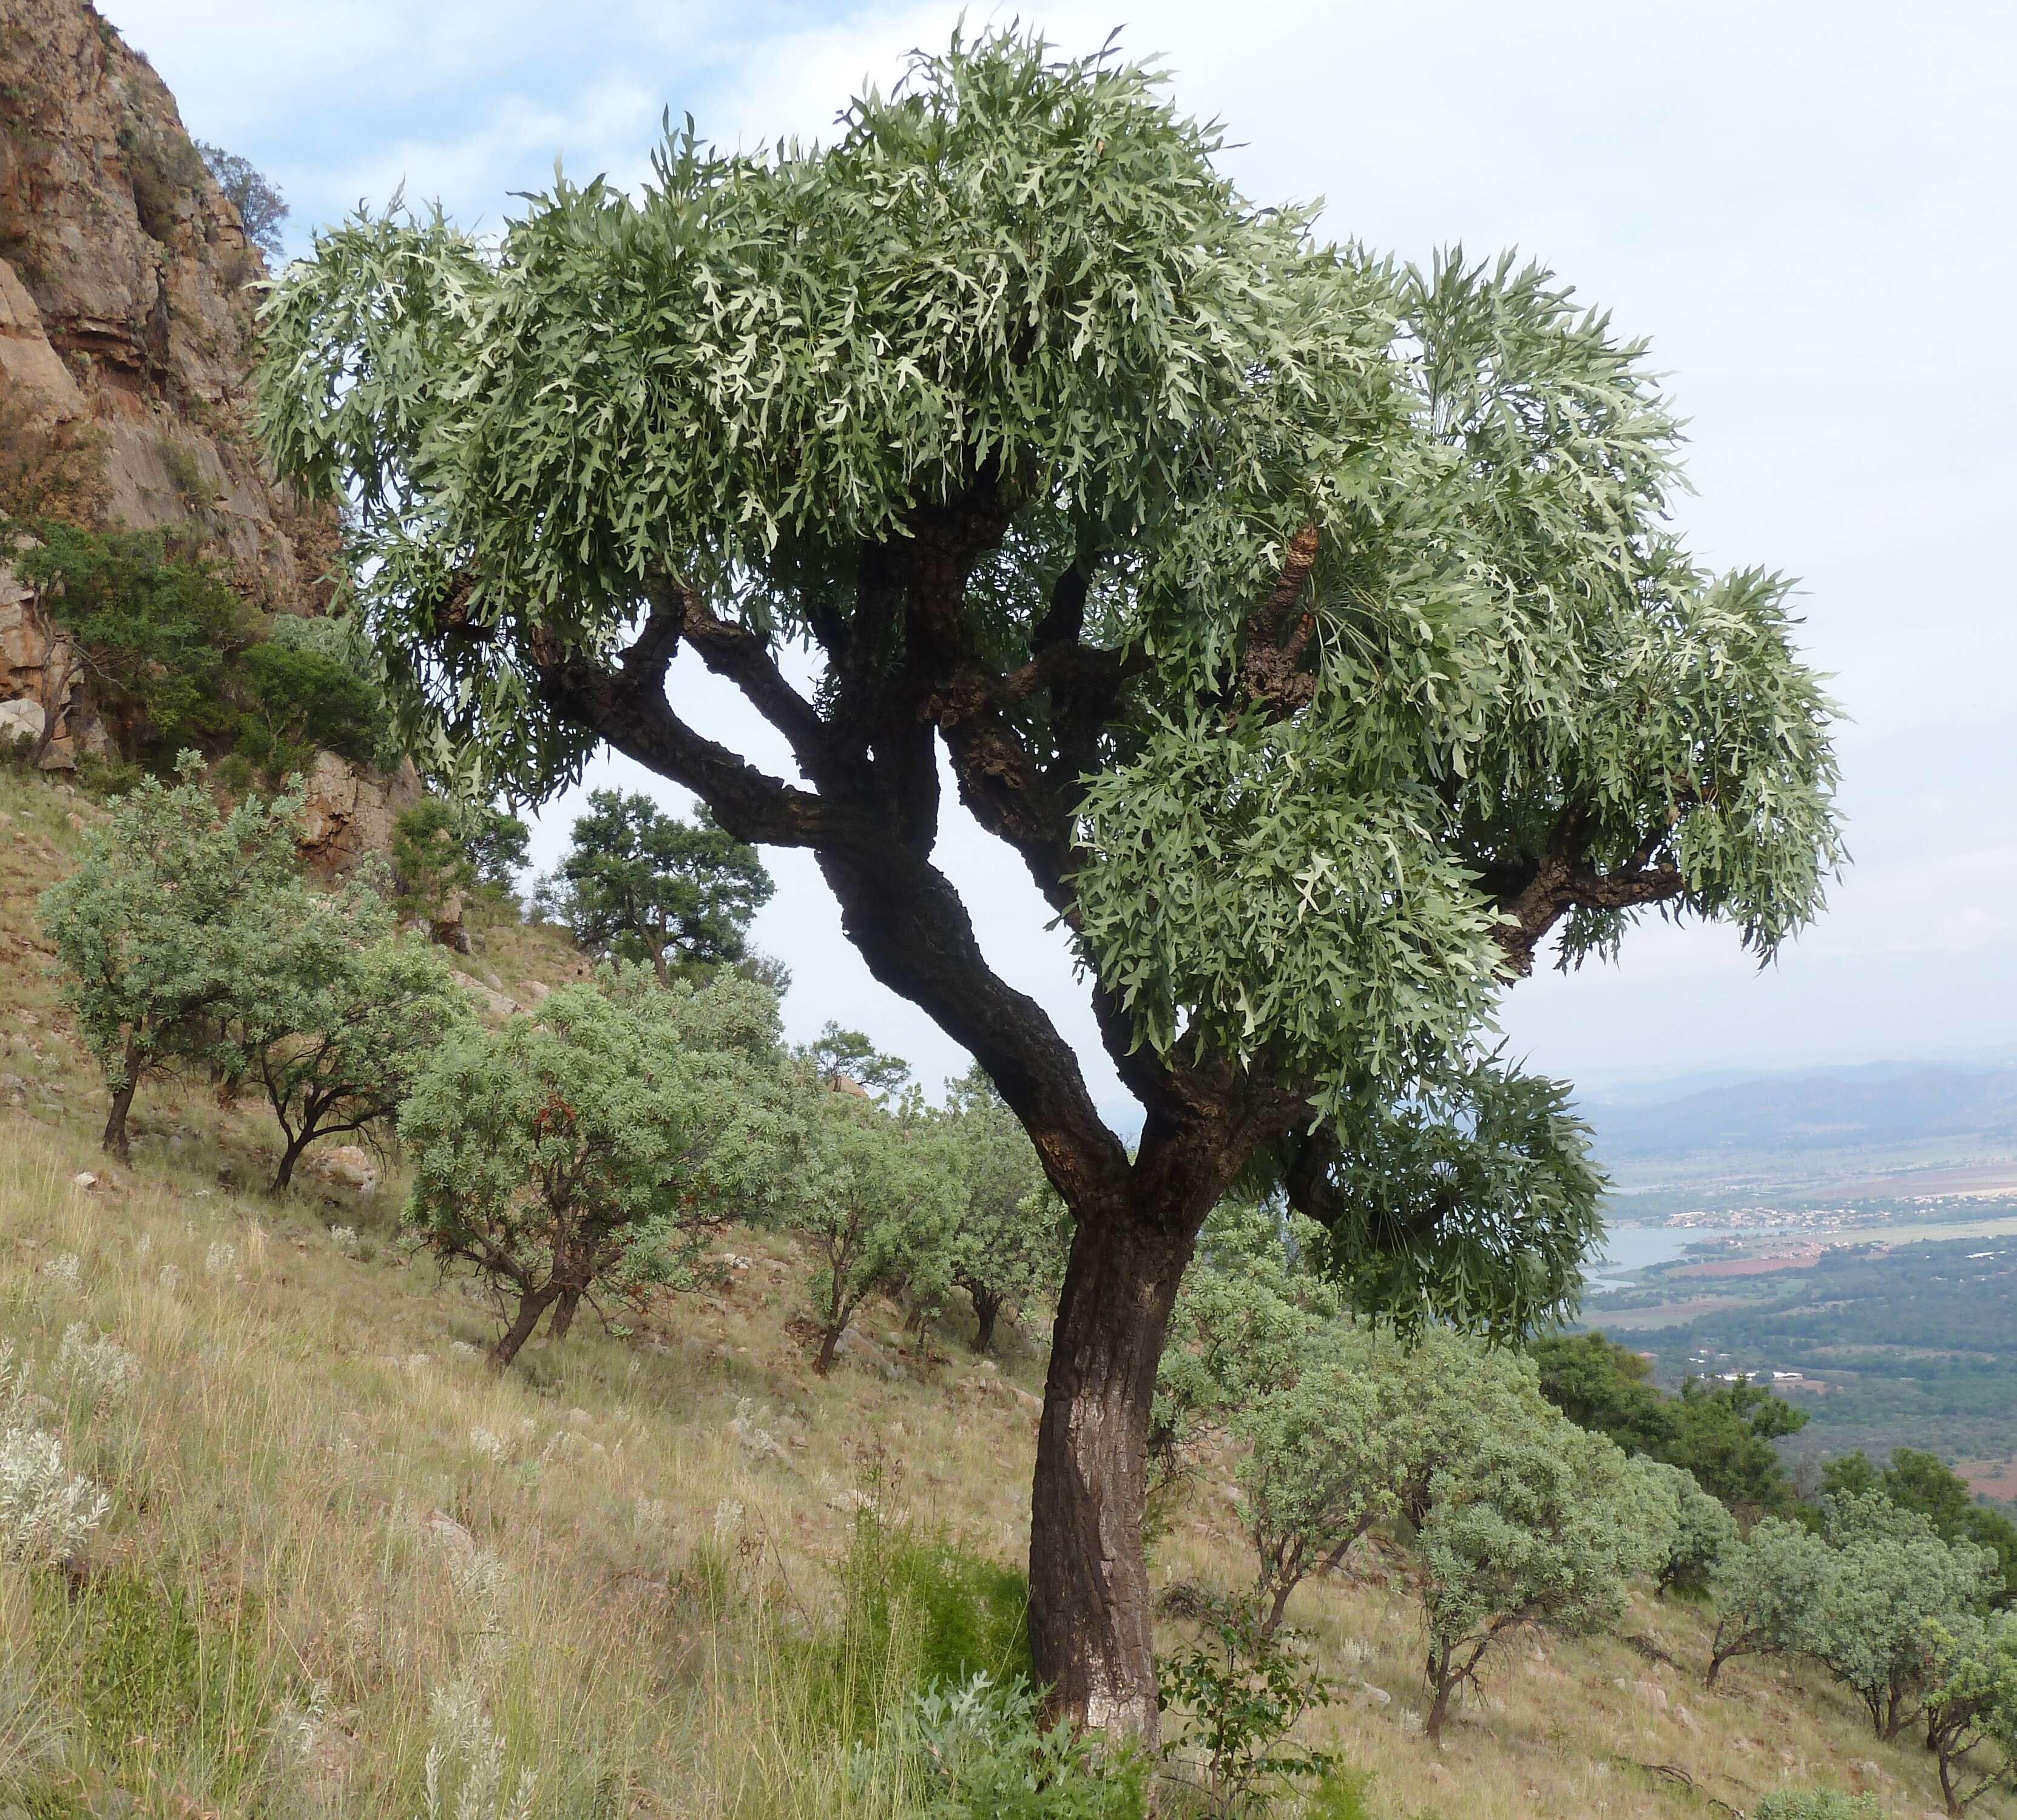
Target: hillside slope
(328,1515)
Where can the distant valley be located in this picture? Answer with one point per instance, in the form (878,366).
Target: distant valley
(1880,1132)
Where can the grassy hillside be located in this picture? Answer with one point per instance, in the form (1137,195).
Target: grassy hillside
(338,1545)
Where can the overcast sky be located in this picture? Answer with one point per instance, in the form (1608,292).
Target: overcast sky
(1807,207)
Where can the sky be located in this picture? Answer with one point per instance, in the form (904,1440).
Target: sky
(1805,207)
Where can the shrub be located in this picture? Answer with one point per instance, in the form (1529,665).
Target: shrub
(260,206)
(1892,1577)
(879,1199)
(1973,1702)
(303,701)
(983,1754)
(1242,1686)
(155,928)
(150,628)
(1704,1531)
(1767,1587)
(919,1613)
(100,1370)
(349,1016)
(1816,1805)
(46,1514)
(1008,1249)
(1543,1524)
(464,1772)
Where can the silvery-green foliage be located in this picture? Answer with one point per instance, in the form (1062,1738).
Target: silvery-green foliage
(1249,1305)
(1030,269)
(46,1512)
(1356,1431)
(877,1196)
(1890,1580)
(14,1384)
(588,1142)
(100,1370)
(465,1775)
(1542,1524)
(1008,1249)
(155,929)
(1704,1529)
(1767,1588)
(33,1732)
(346,1011)
(1972,1703)
(981,1753)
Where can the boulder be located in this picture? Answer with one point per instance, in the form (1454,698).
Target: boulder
(347,1166)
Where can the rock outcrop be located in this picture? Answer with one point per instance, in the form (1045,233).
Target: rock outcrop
(126,327)
(347,811)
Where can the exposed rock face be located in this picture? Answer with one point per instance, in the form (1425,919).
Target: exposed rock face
(347,812)
(124,320)
(123,298)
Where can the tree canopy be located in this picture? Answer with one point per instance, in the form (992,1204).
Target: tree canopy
(586,1144)
(1310,628)
(642,885)
(161,929)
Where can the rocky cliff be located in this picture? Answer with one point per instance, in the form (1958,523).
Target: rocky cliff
(126,349)
(122,302)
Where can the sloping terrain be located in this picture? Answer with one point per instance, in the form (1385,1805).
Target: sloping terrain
(330,1518)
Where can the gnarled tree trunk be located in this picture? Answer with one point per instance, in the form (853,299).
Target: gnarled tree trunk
(1090,1615)
(532,1305)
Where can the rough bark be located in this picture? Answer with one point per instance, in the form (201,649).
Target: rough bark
(532,1304)
(986,1312)
(114,1142)
(288,1157)
(568,1301)
(1089,1630)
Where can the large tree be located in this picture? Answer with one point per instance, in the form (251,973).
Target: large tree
(1309,628)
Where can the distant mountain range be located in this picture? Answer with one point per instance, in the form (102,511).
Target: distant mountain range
(1944,1108)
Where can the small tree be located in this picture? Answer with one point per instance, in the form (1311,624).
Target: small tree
(433,869)
(1008,1249)
(878,1197)
(847,1059)
(1243,1689)
(1766,1589)
(260,206)
(350,1014)
(1890,1578)
(1972,1702)
(1355,1432)
(157,931)
(1922,1482)
(1704,1533)
(586,1144)
(140,630)
(642,884)
(1544,1525)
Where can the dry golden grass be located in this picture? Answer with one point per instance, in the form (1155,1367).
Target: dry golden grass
(355,1513)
